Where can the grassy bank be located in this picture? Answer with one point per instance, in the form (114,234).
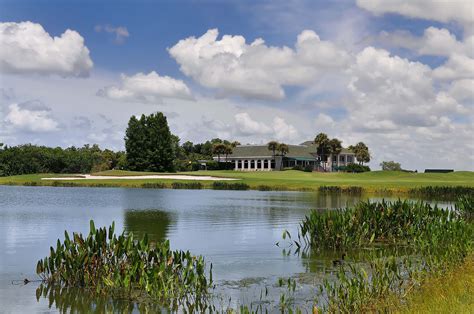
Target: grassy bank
(413,250)
(452,292)
(376,181)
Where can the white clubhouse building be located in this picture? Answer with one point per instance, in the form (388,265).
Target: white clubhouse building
(260,158)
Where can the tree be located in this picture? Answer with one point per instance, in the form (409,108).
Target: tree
(283,149)
(273,146)
(322,142)
(361,152)
(335,146)
(390,166)
(219,149)
(228,150)
(188,147)
(149,144)
(235,144)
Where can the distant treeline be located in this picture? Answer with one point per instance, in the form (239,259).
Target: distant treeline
(26,159)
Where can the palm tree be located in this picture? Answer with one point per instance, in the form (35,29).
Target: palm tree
(235,144)
(361,152)
(218,149)
(322,141)
(335,146)
(228,151)
(283,149)
(273,146)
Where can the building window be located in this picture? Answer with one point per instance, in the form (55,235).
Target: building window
(342,158)
(350,159)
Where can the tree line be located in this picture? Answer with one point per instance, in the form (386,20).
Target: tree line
(27,159)
(149,146)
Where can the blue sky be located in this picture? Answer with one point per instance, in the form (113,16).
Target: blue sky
(365,70)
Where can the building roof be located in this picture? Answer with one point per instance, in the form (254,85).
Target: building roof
(305,150)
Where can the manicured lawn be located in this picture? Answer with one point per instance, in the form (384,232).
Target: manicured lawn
(283,180)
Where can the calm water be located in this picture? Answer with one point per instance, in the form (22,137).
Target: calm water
(235,230)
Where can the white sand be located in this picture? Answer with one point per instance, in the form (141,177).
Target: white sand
(165,176)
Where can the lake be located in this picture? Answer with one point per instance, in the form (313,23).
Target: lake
(236,231)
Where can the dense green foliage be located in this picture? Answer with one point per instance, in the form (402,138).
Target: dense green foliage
(354,168)
(27,159)
(390,166)
(361,152)
(122,266)
(149,144)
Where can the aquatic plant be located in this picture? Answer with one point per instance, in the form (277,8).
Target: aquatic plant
(439,240)
(399,222)
(187,185)
(353,190)
(128,268)
(153,185)
(442,192)
(222,185)
(465,206)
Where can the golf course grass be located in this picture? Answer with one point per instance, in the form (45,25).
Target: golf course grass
(291,180)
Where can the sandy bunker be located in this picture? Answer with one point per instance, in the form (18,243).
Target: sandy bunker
(165,176)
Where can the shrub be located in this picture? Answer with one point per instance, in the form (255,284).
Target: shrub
(298,167)
(356,168)
(308,168)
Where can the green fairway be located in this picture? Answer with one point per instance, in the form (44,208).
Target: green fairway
(278,180)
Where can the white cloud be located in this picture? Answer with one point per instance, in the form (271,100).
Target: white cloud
(280,129)
(256,70)
(149,87)
(389,92)
(120,32)
(247,126)
(435,42)
(28,48)
(34,119)
(439,10)
(457,67)
(463,90)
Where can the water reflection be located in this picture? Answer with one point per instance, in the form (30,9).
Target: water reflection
(155,223)
(79,300)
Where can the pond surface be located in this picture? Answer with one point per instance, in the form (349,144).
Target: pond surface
(236,231)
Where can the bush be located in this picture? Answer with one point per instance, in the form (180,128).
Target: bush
(214,165)
(298,167)
(355,168)
(308,168)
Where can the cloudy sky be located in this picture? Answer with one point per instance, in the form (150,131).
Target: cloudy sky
(398,75)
